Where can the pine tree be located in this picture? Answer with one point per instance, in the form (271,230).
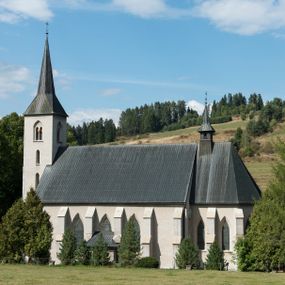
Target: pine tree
(100,255)
(82,253)
(38,229)
(215,259)
(12,233)
(67,248)
(129,249)
(187,254)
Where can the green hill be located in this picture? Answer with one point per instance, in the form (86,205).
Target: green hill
(260,165)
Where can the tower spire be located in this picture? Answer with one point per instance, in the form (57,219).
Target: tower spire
(46,102)
(206,131)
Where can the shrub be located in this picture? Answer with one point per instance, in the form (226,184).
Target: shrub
(148,262)
(215,259)
(100,255)
(187,254)
(243,249)
(67,248)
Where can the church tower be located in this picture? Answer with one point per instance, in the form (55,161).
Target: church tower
(44,127)
(206,133)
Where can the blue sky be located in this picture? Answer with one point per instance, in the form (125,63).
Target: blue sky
(114,54)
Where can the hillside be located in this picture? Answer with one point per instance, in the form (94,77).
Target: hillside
(260,166)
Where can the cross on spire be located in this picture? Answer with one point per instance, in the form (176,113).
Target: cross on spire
(46,29)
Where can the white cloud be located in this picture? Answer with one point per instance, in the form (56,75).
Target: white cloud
(195,105)
(110,92)
(88,115)
(12,11)
(62,79)
(144,9)
(13,79)
(245,17)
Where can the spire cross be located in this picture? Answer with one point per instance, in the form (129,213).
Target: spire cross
(47,29)
(206,99)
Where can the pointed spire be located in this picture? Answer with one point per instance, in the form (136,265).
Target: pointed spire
(46,102)
(206,124)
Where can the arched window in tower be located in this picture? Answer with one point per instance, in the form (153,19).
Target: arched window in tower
(58,134)
(201,235)
(38,157)
(225,236)
(38,131)
(37,180)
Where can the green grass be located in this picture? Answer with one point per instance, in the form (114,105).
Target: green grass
(60,275)
(261,170)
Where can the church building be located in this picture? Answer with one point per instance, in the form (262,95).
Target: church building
(202,191)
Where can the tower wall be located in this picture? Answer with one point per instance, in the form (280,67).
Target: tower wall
(47,146)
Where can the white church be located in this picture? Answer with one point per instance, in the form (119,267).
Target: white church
(202,191)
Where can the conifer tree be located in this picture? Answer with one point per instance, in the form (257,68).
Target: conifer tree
(215,259)
(67,248)
(100,255)
(82,253)
(129,249)
(187,254)
(38,229)
(12,233)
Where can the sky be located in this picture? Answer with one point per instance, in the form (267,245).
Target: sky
(109,55)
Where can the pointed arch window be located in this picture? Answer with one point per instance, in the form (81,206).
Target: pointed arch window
(78,229)
(58,132)
(38,131)
(105,226)
(225,236)
(201,235)
(38,157)
(37,180)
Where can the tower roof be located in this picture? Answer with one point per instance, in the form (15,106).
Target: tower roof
(206,124)
(46,102)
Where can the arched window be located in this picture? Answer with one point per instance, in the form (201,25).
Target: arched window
(225,236)
(38,131)
(201,235)
(58,134)
(37,180)
(105,226)
(78,229)
(38,157)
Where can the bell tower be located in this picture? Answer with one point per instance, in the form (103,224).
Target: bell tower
(44,127)
(206,133)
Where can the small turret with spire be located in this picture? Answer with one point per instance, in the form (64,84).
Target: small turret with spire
(206,132)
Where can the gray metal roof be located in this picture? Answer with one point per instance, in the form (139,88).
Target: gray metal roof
(108,238)
(120,174)
(46,102)
(222,178)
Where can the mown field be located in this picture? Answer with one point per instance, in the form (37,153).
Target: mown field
(259,166)
(59,275)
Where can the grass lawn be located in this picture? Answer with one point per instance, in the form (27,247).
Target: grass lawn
(30,274)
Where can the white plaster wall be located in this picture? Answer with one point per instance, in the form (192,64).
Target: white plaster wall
(47,147)
(163,221)
(225,212)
